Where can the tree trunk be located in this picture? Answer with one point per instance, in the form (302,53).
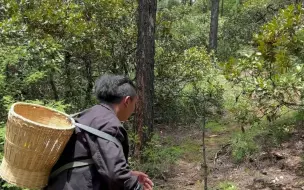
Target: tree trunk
(88,67)
(222,8)
(204,166)
(205,7)
(114,68)
(299,1)
(68,81)
(214,25)
(243,129)
(53,85)
(145,71)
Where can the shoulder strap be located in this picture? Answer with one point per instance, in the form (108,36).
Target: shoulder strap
(99,133)
(95,131)
(86,162)
(78,113)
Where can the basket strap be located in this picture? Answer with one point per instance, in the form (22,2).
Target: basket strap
(87,161)
(78,113)
(95,131)
(70,165)
(98,133)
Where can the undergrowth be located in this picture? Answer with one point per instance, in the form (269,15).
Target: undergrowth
(157,157)
(262,136)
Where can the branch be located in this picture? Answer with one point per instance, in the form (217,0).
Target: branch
(291,104)
(260,17)
(196,111)
(218,152)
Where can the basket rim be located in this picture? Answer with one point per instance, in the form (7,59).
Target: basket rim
(40,124)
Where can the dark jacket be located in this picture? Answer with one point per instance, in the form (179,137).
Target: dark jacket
(110,170)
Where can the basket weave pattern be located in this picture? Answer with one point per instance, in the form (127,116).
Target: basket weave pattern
(35,138)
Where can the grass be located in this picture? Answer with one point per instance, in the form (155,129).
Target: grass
(226,185)
(158,157)
(191,150)
(215,127)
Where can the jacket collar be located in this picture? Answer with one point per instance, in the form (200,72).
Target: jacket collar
(108,107)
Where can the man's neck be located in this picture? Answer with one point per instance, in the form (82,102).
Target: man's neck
(114,107)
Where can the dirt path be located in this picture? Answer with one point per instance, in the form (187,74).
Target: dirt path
(280,169)
(187,174)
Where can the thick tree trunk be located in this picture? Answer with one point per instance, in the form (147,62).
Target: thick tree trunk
(145,71)
(214,25)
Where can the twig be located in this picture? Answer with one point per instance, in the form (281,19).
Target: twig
(218,152)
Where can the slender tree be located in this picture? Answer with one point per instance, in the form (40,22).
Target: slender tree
(88,72)
(222,8)
(145,71)
(215,6)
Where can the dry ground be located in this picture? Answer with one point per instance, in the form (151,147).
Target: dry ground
(279,169)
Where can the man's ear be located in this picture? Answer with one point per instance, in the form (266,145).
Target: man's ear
(127,100)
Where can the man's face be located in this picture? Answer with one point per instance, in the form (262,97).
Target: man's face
(127,107)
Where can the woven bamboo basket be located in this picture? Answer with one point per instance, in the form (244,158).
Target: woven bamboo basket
(34,139)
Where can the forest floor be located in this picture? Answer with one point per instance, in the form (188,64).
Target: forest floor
(277,169)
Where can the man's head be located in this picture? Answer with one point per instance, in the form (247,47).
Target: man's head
(119,92)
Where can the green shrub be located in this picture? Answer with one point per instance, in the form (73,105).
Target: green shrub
(227,186)
(263,136)
(157,158)
(192,150)
(243,146)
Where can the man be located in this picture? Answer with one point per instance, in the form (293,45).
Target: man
(110,170)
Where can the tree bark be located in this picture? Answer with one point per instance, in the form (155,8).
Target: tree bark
(205,7)
(88,67)
(205,166)
(203,118)
(145,72)
(53,85)
(68,81)
(299,1)
(214,25)
(222,8)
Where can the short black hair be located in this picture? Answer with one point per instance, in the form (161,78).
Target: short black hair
(111,88)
